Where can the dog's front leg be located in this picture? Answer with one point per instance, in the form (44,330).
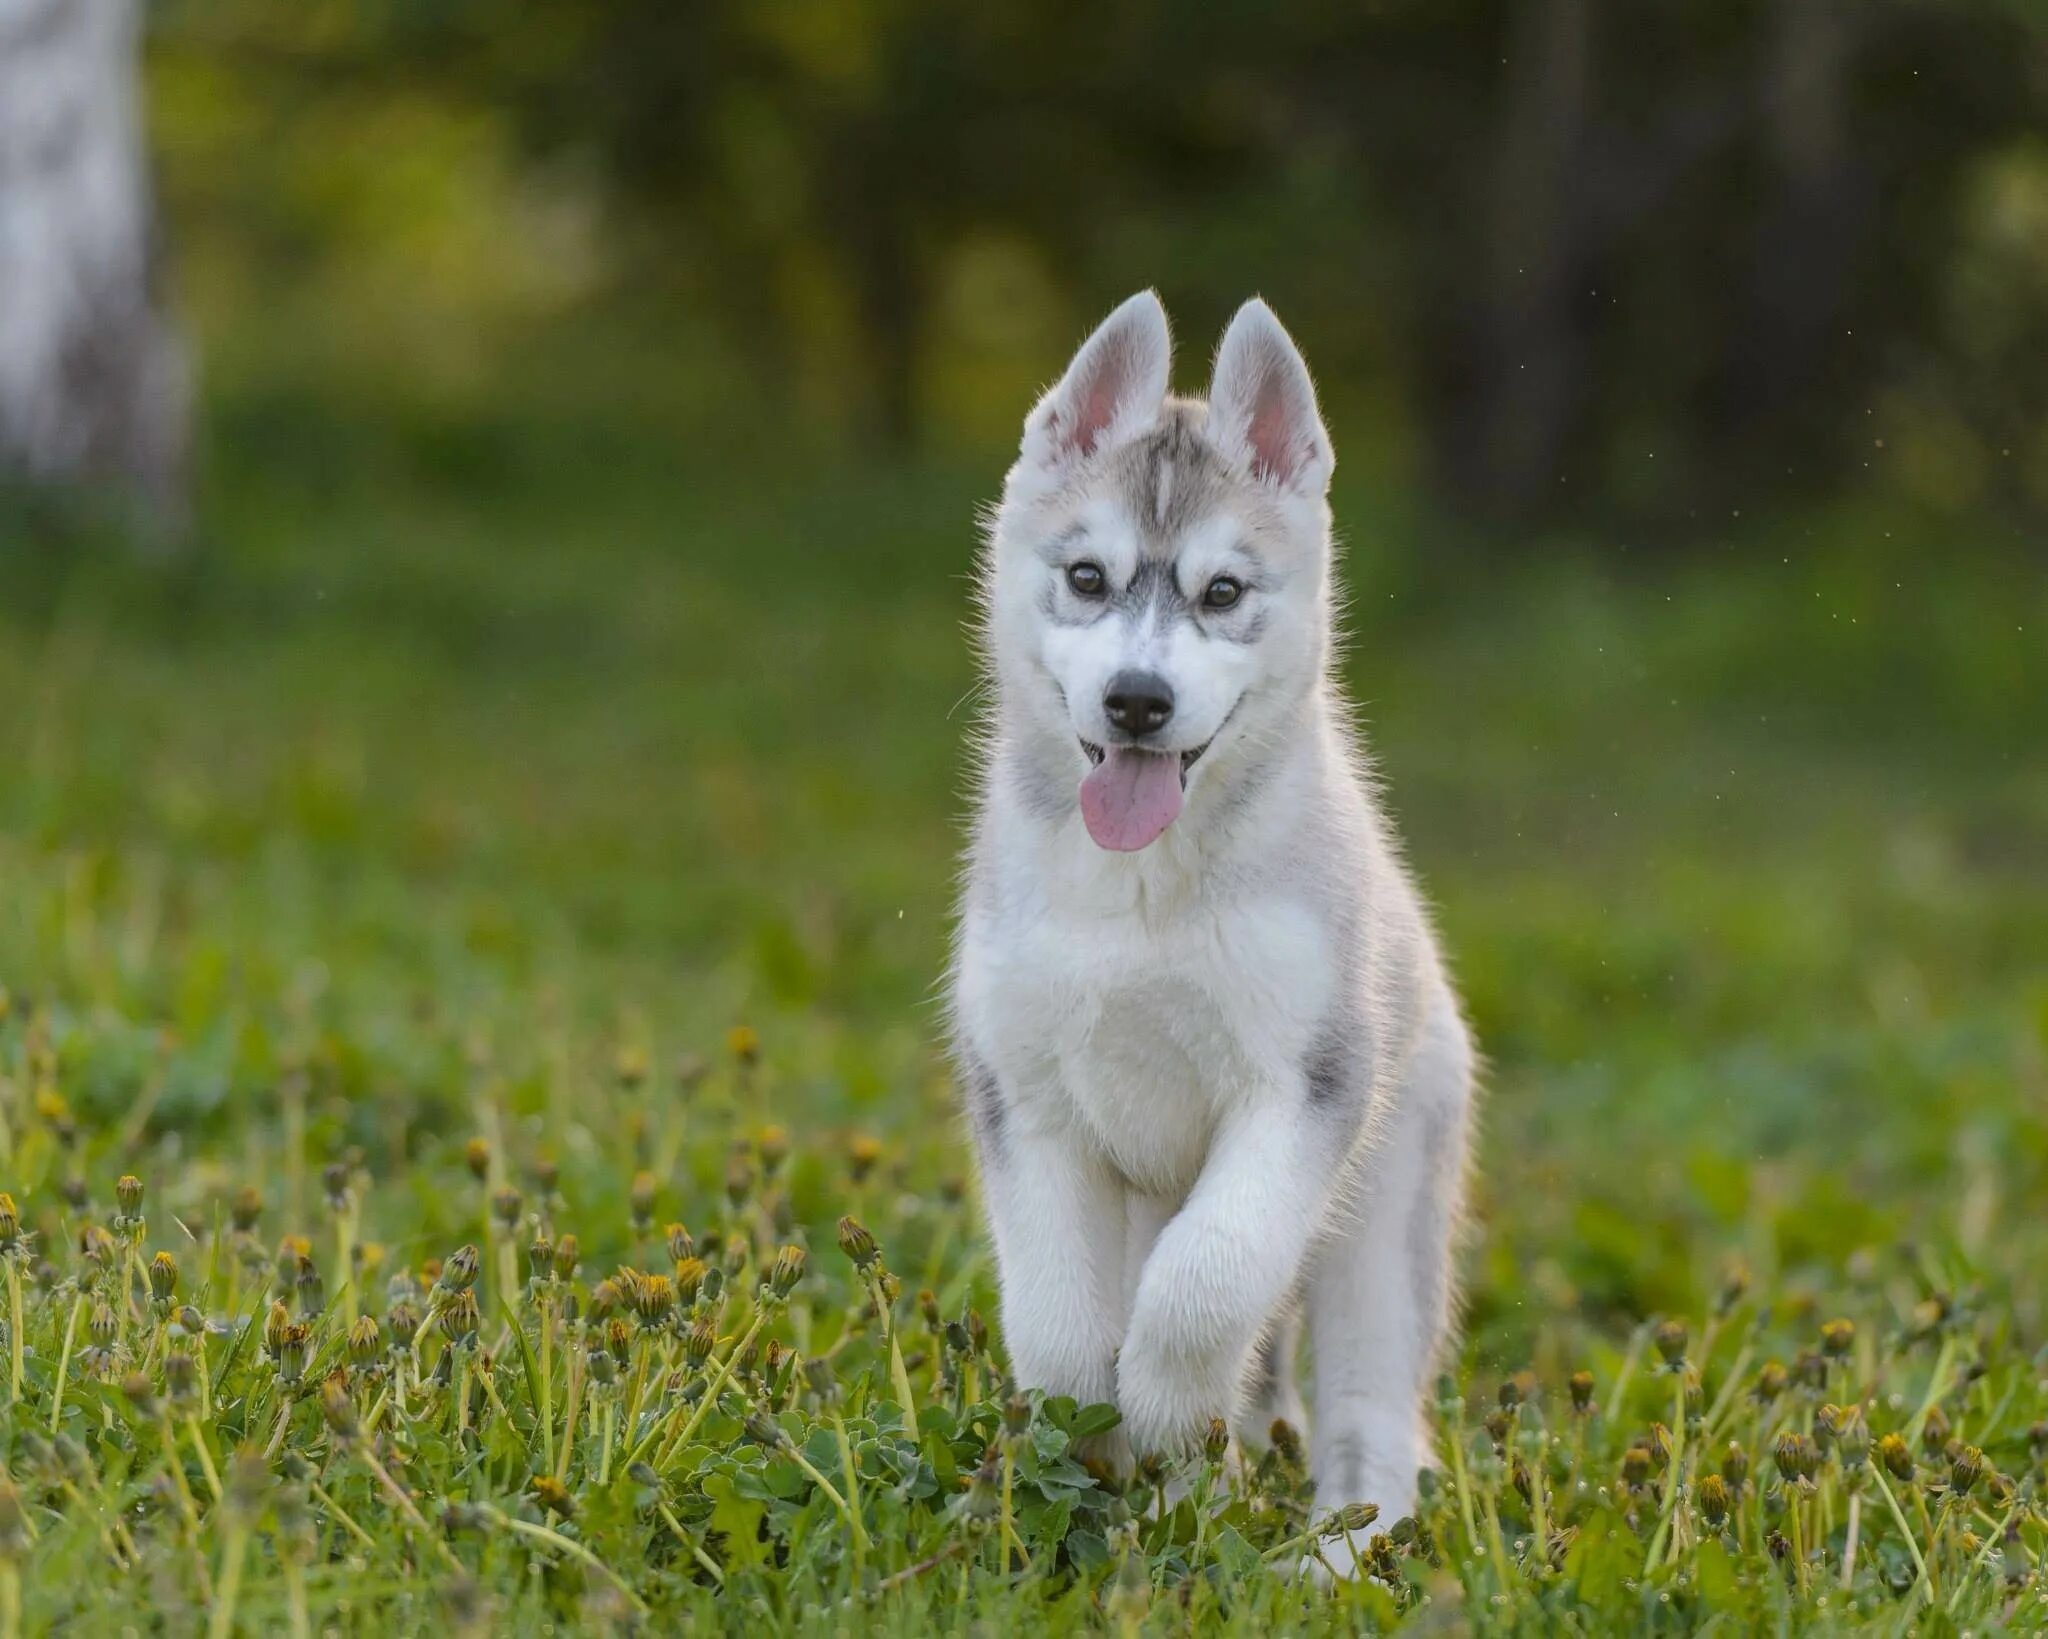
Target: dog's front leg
(1219,1272)
(1058,1215)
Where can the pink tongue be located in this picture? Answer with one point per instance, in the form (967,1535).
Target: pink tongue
(1130,797)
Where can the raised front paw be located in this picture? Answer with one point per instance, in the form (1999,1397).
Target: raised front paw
(1169,1406)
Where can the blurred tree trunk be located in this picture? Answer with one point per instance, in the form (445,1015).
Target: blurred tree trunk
(1807,241)
(1530,370)
(93,382)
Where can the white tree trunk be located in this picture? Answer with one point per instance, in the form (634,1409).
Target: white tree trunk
(93,382)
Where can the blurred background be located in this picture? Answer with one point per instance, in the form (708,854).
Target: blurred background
(490,493)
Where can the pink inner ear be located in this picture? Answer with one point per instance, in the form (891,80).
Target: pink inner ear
(1275,431)
(1094,401)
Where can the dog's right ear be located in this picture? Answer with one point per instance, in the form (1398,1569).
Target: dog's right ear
(1111,392)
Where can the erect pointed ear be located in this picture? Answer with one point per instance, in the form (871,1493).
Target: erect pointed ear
(1112,391)
(1262,405)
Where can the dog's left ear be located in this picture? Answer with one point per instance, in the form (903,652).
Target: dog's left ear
(1262,405)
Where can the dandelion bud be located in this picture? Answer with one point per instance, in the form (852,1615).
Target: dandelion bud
(640,1198)
(1658,1440)
(163,1277)
(128,1194)
(1714,1500)
(460,1318)
(1827,1423)
(1897,1457)
(858,1244)
(653,1297)
(338,1408)
(862,1153)
(365,1342)
(928,1307)
(682,1246)
(1671,1339)
(458,1274)
(141,1393)
(1837,1338)
(190,1321)
(248,1485)
(1770,1382)
(977,1332)
(1581,1386)
(312,1294)
(245,1209)
(1810,1369)
(739,1178)
(765,1431)
(1636,1467)
(1215,1441)
(334,1186)
(787,1270)
(689,1279)
(699,1341)
(505,1206)
(275,1325)
(1286,1440)
(956,1337)
(10,1223)
(554,1496)
(540,1257)
(630,1066)
(1852,1440)
(773,1146)
(1735,1467)
(96,1246)
(1966,1470)
(713,1286)
(293,1350)
(1353,1516)
(476,1155)
(568,1253)
(1016,1414)
(1934,1433)
(103,1328)
(1796,1456)
(404,1321)
(604,1370)
(181,1376)
(618,1338)
(1734,1288)
(744,1043)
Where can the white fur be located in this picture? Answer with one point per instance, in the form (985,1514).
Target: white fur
(1169,1160)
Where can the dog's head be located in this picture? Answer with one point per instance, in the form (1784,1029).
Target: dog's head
(1158,590)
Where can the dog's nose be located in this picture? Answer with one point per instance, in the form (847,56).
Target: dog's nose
(1138,702)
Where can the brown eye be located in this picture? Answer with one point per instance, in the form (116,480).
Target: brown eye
(1222,593)
(1086,579)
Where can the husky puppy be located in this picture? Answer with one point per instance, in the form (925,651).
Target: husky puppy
(1216,1071)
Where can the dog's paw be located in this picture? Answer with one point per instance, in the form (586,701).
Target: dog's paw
(1170,1409)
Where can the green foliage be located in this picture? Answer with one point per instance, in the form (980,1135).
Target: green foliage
(1582,261)
(500,829)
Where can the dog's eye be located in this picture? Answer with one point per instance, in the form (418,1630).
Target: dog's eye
(1086,579)
(1222,593)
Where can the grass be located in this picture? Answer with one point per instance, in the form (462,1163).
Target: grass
(493,841)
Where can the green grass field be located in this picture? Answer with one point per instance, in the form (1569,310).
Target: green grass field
(493,836)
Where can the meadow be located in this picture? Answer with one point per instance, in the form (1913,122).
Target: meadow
(479,1156)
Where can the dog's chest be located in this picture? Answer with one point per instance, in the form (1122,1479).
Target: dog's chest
(1146,1029)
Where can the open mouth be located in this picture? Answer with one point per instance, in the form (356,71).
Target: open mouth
(1188,759)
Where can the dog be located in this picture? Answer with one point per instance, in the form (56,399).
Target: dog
(1217,1075)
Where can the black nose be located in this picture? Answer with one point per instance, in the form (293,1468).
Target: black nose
(1138,702)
